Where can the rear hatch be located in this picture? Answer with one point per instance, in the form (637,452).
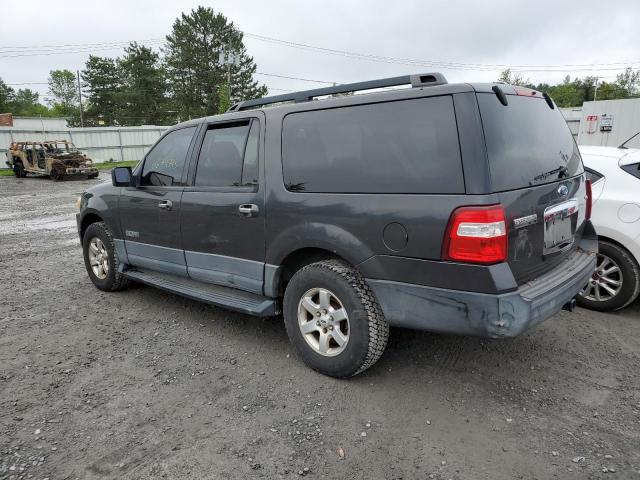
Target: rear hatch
(536,170)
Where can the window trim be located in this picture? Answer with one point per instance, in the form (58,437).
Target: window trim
(190,185)
(137,173)
(593,172)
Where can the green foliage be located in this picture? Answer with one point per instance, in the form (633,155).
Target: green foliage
(6,97)
(144,95)
(103,90)
(511,78)
(25,103)
(63,90)
(194,70)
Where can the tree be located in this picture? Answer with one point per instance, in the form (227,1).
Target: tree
(103,88)
(6,97)
(144,99)
(194,70)
(629,82)
(25,103)
(507,76)
(64,92)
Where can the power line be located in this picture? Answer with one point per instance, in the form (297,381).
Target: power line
(37,50)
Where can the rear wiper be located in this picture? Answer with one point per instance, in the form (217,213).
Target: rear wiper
(561,171)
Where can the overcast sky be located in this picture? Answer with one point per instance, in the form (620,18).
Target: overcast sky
(478,36)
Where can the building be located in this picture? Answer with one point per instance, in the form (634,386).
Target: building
(605,122)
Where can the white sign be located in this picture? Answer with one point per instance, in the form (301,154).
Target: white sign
(606,122)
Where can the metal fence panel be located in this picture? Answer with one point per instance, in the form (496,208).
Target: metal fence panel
(100,144)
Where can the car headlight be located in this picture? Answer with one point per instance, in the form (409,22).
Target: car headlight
(79,202)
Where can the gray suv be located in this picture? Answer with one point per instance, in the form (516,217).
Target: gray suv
(456,208)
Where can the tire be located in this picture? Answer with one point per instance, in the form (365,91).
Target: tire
(366,329)
(612,256)
(112,279)
(92,176)
(56,175)
(18,170)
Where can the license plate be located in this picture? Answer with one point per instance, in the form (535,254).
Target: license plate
(560,223)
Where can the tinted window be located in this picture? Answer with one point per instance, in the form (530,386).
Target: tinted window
(164,163)
(528,143)
(633,169)
(220,163)
(408,146)
(593,175)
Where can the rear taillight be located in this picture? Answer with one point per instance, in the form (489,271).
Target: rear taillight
(476,235)
(589,199)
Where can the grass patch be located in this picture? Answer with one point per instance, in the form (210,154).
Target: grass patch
(7,172)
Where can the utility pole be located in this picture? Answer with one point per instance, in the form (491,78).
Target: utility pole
(595,89)
(80,97)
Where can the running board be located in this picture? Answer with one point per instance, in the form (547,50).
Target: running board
(226,297)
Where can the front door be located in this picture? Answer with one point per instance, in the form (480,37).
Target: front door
(150,212)
(222,212)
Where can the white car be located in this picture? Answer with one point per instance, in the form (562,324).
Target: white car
(615,178)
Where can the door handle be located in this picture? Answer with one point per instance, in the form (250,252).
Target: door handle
(165,205)
(248,210)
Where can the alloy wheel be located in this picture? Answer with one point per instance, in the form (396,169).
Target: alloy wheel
(606,281)
(323,321)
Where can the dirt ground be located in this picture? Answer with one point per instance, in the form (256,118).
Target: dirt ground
(144,384)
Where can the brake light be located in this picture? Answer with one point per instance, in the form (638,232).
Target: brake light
(476,235)
(589,199)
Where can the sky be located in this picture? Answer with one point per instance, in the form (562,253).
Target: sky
(464,40)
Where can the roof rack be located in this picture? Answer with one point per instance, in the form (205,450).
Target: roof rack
(420,80)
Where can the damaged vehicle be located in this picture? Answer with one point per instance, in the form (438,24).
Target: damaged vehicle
(455,208)
(56,158)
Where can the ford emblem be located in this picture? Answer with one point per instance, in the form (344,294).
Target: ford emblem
(563,190)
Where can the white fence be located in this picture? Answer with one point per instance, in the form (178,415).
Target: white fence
(100,144)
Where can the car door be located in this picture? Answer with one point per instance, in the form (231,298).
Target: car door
(222,212)
(150,211)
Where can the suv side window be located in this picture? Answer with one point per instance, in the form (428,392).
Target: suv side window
(408,146)
(229,155)
(163,165)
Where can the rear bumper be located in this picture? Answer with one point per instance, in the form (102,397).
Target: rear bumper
(484,314)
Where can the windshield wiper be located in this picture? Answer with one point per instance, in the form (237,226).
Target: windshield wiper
(562,172)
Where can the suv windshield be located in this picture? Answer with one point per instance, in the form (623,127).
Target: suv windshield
(528,143)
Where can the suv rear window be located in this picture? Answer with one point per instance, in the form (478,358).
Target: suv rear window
(528,143)
(408,146)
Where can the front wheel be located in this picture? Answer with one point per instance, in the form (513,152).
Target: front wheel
(101,259)
(615,283)
(333,319)
(18,170)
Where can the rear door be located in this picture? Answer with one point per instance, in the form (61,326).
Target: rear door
(150,212)
(222,213)
(537,172)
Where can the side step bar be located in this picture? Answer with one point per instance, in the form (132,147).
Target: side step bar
(226,297)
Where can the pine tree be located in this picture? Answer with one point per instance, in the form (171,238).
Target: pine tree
(6,97)
(194,68)
(103,90)
(144,100)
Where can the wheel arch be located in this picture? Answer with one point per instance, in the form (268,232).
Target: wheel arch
(618,243)
(88,219)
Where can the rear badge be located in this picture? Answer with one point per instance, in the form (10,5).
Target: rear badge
(563,190)
(525,221)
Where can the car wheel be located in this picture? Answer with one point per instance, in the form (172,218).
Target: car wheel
(101,259)
(333,319)
(18,170)
(56,174)
(615,283)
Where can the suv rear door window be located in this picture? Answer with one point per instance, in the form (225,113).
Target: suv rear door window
(528,143)
(408,146)
(163,165)
(229,155)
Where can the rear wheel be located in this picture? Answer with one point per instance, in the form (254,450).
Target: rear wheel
(56,174)
(101,259)
(615,283)
(18,170)
(333,319)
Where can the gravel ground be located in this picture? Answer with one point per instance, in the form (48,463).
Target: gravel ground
(144,384)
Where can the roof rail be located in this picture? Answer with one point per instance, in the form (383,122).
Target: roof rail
(420,80)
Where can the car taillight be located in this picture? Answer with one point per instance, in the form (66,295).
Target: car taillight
(589,199)
(476,235)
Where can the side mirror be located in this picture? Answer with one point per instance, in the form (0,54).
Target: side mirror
(121,176)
